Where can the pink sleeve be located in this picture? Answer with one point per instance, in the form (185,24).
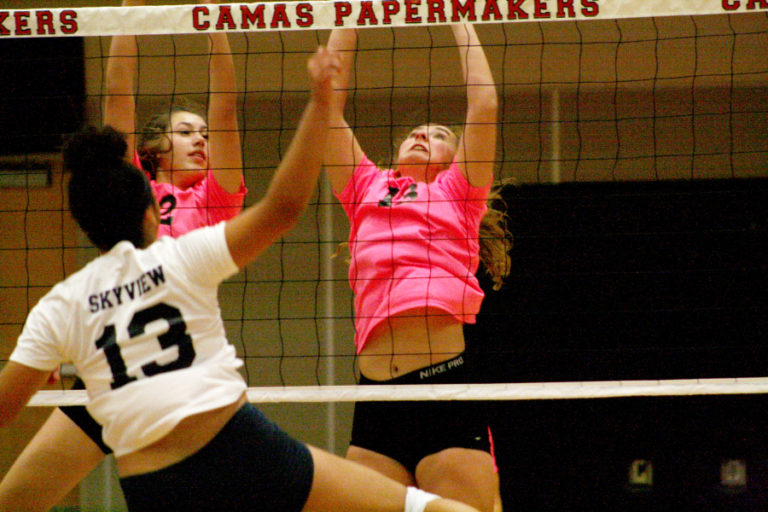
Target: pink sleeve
(222,205)
(355,189)
(204,204)
(454,181)
(472,202)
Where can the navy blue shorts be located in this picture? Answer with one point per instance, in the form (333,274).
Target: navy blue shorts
(250,465)
(408,431)
(83,419)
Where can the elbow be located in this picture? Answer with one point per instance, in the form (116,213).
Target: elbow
(225,110)
(490,104)
(289,211)
(288,219)
(485,108)
(488,99)
(294,210)
(483,98)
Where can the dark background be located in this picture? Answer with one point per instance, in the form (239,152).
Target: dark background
(42,93)
(617,281)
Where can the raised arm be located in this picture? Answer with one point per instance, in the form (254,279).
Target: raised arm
(477,148)
(343,152)
(119,103)
(293,183)
(225,155)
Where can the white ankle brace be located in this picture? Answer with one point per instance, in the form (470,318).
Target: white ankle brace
(416,500)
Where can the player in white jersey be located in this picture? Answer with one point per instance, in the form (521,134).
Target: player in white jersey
(142,326)
(193,158)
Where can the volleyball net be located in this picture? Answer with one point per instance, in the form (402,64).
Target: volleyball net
(630,130)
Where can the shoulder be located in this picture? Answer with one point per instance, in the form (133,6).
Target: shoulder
(453,179)
(367,167)
(365,174)
(202,248)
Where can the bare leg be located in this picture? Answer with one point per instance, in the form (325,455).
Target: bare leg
(57,458)
(460,474)
(385,465)
(341,485)
(467,488)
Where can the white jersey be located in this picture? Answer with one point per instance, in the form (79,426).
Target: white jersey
(144,330)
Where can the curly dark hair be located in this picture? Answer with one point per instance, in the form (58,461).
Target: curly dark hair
(108,197)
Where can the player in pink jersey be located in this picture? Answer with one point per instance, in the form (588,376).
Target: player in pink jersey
(194,162)
(415,246)
(193,158)
(160,373)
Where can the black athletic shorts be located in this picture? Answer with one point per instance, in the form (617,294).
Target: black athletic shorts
(408,431)
(83,419)
(250,465)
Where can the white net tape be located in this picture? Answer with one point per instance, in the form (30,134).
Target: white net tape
(281,16)
(520,391)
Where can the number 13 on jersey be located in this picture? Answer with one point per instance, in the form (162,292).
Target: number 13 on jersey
(175,336)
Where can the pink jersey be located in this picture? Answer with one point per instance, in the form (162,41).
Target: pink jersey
(412,244)
(204,204)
